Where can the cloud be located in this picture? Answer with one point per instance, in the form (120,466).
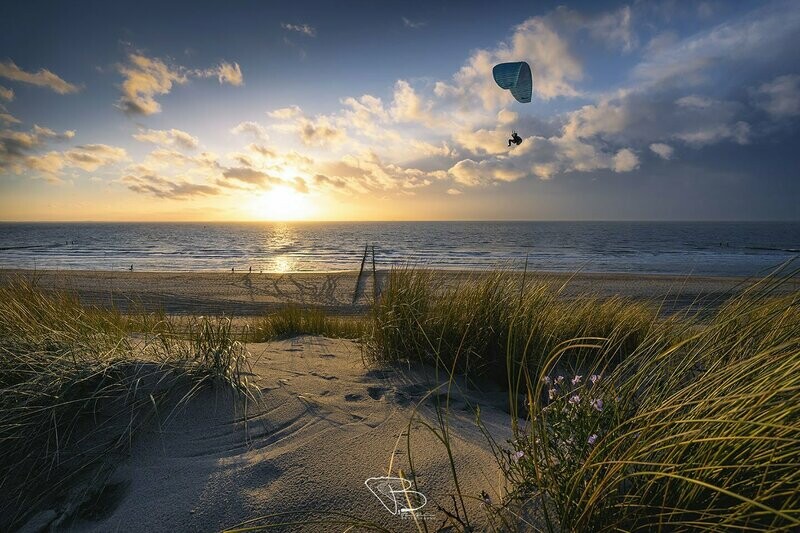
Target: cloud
(167,188)
(408,23)
(170,137)
(366,114)
(367,172)
(780,97)
(664,151)
(453,192)
(300,185)
(90,157)
(41,78)
(625,161)
(252,128)
(483,141)
(758,35)
(6,94)
(252,177)
(16,145)
(305,29)
(319,131)
(536,40)
(338,183)
(7,118)
(694,101)
(651,114)
(165,159)
(738,132)
(87,157)
(472,173)
(285,113)
(615,28)
(229,73)
(407,106)
(145,78)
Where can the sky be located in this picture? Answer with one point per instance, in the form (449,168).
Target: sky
(256,110)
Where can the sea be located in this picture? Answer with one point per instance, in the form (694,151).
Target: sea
(677,248)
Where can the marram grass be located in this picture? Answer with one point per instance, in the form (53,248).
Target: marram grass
(293,320)
(77,383)
(698,433)
(471,327)
(632,422)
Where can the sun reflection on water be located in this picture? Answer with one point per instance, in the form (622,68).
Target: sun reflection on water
(282,264)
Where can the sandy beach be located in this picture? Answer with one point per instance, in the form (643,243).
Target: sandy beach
(248,294)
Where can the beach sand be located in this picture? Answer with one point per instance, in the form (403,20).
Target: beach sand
(324,425)
(245,294)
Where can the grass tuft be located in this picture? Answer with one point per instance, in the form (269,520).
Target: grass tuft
(292,321)
(77,383)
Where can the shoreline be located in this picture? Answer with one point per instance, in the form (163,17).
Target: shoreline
(253,294)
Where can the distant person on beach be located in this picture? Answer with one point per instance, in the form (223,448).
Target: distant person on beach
(231,270)
(131,268)
(251,270)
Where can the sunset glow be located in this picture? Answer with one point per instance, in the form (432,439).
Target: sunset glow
(281,204)
(680,111)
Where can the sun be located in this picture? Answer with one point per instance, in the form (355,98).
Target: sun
(281,203)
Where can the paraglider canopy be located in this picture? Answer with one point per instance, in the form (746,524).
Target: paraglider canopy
(517,78)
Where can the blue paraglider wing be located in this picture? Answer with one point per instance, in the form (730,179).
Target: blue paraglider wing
(517,78)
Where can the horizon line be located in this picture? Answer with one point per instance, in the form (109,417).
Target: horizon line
(342,221)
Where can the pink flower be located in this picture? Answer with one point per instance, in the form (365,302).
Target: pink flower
(546,379)
(574,399)
(551,393)
(595,378)
(518,455)
(560,379)
(597,404)
(576,380)
(592,438)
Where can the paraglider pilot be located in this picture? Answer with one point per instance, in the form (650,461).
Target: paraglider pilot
(516,139)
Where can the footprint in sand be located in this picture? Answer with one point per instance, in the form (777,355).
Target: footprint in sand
(376,393)
(323,376)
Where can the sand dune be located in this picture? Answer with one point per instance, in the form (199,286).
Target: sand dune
(324,425)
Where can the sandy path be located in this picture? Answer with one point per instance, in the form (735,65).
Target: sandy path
(243,294)
(326,424)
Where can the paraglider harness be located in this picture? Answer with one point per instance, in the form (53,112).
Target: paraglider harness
(516,139)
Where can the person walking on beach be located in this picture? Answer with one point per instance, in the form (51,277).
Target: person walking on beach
(251,270)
